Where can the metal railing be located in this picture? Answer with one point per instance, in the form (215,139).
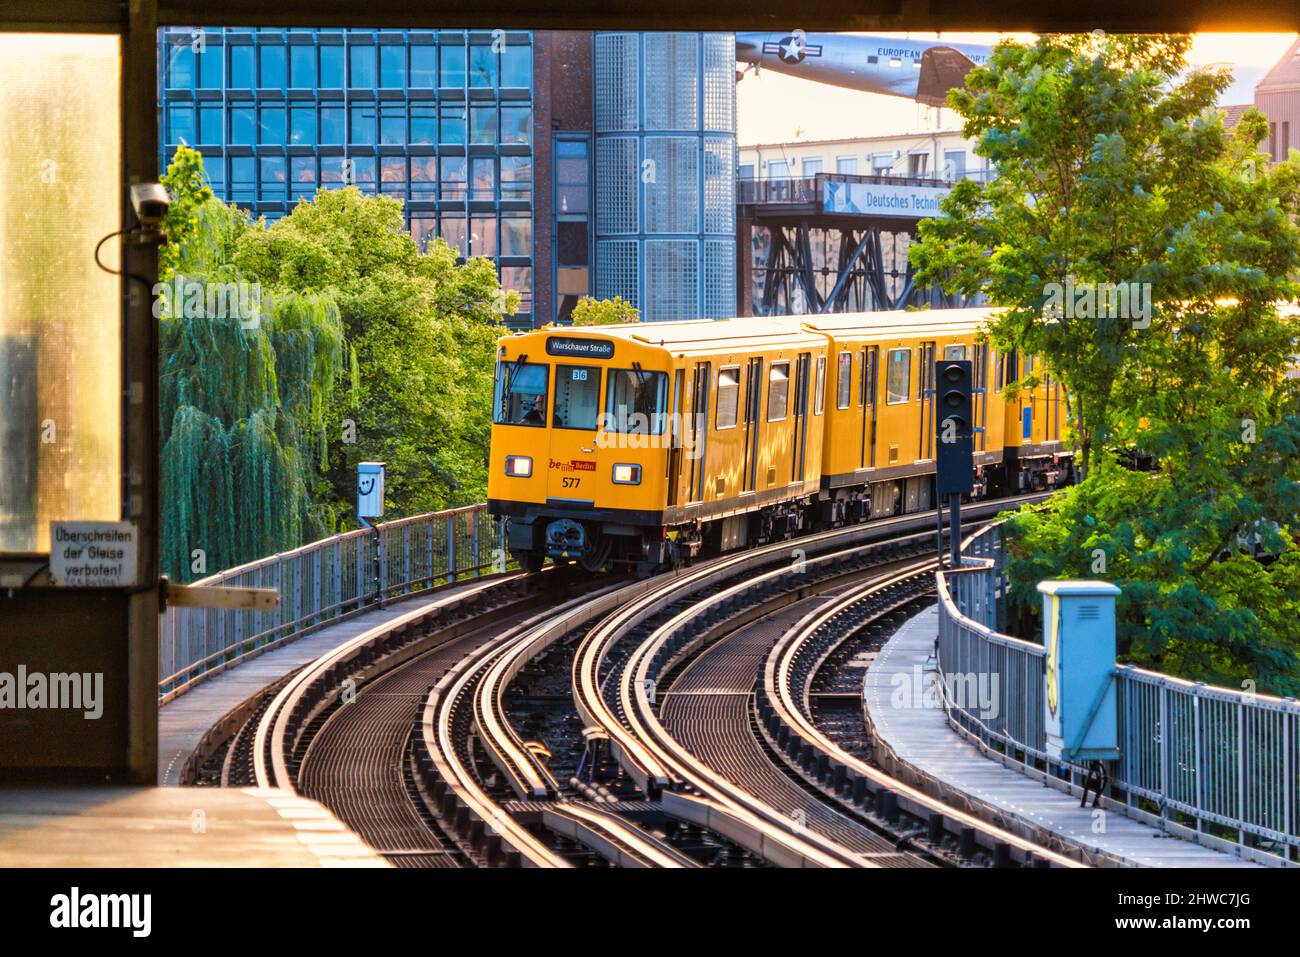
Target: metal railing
(810,189)
(322,582)
(1221,760)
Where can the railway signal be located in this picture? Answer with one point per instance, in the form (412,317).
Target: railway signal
(954,460)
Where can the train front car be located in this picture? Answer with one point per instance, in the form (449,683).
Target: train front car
(580,445)
(641,445)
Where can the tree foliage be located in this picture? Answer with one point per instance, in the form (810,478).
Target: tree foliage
(422,332)
(604,312)
(1113,167)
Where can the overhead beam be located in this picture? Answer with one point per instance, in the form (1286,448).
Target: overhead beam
(1115,16)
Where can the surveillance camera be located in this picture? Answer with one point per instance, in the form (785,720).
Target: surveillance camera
(151,203)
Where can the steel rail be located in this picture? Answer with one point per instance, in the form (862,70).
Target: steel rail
(793,706)
(270,748)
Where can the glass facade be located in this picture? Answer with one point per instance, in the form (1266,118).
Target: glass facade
(442,120)
(665,147)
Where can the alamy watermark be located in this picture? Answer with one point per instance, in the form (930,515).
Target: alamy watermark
(969,691)
(58,691)
(1098,300)
(194,299)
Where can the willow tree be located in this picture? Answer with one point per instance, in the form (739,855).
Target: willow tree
(245,393)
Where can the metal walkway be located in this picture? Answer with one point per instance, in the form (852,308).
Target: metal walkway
(919,736)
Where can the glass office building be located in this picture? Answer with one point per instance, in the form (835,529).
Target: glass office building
(665,138)
(442,120)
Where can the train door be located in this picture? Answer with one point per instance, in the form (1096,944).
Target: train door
(675,448)
(699,428)
(980,388)
(753,398)
(867,398)
(573,468)
(925,395)
(800,423)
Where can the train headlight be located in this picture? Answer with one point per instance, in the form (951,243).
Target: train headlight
(519,466)
(627,475)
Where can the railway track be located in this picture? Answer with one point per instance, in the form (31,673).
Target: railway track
(406,731)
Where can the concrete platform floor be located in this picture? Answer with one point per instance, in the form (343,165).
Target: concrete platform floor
(173,827)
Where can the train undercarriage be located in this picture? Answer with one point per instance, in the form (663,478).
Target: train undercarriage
(603,543)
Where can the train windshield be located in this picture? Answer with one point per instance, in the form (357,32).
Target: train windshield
(636,402)
(520,394)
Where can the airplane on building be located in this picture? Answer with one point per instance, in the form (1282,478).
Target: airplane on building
(921,70)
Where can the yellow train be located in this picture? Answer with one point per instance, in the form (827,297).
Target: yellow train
(642,444)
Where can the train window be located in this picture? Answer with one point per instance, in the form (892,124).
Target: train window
(819,389)
(577,397)
(954,353)
(636,402)
(844,384)
(520,394)
(778,391)
(898,376)
(728,397)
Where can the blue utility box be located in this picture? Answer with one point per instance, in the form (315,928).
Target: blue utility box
(370,490)
(1080,712)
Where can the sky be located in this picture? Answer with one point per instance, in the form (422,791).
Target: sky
(772,108)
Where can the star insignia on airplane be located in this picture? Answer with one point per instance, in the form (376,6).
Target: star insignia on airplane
(793,49)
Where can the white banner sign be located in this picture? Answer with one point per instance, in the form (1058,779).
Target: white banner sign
(93,554)
(879,199)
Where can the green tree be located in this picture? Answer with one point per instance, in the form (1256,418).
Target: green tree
(246,384)
(604,312)
(422,332)
(1114,170)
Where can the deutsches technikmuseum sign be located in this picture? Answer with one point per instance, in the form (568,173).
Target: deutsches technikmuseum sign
(879,199)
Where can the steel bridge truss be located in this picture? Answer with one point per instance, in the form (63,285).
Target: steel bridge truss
(802,268)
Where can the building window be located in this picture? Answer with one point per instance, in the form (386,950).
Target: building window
(180,125)
(516,178)
(361,131)
(424,67)
(361,62)
(882,163)
(392,67)
(271,73)
(918,164)
(516,125)
(302,67)
(482,66)
(848,165)
(778,169)
(392,175)
(745,171)
(243,179)
(954,164)
(483,178)
(517,67)
(811,166)
(453,66)
(302,177)
(331,68)
(243,126)
(271,129)
(424,177)
(520,280)
(331,126)
(516,234)
(241,66)
(483,236)
(572,176)
(273,179)
(483,126)
(302,125)
(453,177)
(211,75)
(392,124)
(452,125)
(210,118)
(452,230)
(423,230)
(424,124)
